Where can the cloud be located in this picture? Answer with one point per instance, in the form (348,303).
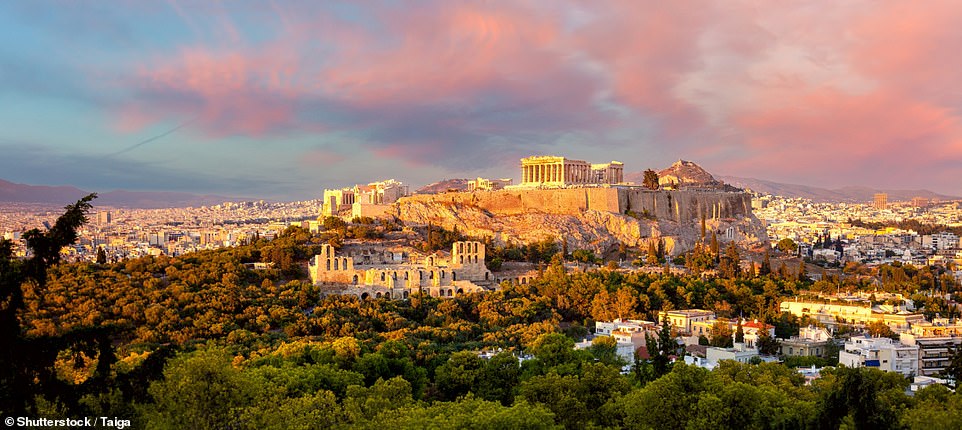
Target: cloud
(795,90)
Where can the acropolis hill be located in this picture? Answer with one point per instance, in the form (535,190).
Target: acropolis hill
(588,211)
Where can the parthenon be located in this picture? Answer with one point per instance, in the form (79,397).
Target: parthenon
(560,171)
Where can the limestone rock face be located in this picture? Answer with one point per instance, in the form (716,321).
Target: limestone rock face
(597,230)
(686,173)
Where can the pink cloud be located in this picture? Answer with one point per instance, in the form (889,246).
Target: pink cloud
(741,83)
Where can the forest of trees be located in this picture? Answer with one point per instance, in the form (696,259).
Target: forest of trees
(201,341)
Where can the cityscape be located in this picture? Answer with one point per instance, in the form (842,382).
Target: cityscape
(486,215)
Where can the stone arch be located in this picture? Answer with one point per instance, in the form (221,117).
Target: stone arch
(431,260)
(442,274)
(378,295)
(336,263)
(460,291)
(328,264)
(454,276)
(364,296)
(450,292)
(382,276)
(387,295)
(406,294)
(355,280)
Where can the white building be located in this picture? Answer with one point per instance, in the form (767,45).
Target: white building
(882,353)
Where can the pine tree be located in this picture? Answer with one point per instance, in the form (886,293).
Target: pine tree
(739,332)
(714,245)
(766,267)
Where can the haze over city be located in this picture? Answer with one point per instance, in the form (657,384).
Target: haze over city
(278,100)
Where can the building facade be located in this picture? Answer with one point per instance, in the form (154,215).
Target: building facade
(882,353)
(545,170)
(482,184)
(375,273)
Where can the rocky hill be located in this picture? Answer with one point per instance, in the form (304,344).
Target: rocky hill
(444,185)
(516,217)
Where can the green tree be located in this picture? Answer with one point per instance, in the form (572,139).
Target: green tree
(459,375)
(650,180)
(199,391)
(787,246)
(499,378)
(27,364)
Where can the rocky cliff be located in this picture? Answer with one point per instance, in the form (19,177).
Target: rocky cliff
(596,219)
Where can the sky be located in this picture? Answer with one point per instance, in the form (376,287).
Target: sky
(280,99)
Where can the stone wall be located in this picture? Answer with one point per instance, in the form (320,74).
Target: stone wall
(677,206)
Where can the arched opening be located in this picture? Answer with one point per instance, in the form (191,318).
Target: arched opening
(524,281)
(382,276)
(364,296)
(430,261)
(355,279)
(454,276)
(328,264)
(336,263)
(378,295)
(460,291)
(486,276)
(450,292)
(461,259)
(442,274)
(405,294)
(394,276)
(431,275)
(405,276)
(387,295)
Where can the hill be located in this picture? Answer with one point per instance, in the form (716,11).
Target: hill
(843,194)
(458,184)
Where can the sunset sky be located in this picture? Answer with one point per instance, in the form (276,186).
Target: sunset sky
(281,99)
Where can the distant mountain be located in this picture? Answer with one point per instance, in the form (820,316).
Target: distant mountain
(844,194)
(63,195)
(444,185)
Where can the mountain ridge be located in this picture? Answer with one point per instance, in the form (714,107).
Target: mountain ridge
(850,193)
(12,192)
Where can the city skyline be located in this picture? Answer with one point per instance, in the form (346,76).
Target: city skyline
(282,100)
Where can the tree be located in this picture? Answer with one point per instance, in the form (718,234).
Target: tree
(739,332)
(651,180)
(459,375)
(199,391)
(787,246)
(27,370)
(766,267)
(954,369)
(583,256)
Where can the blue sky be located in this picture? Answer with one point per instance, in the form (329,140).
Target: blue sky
(281,99)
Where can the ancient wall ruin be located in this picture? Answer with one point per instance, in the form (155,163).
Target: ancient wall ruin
(678,206)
